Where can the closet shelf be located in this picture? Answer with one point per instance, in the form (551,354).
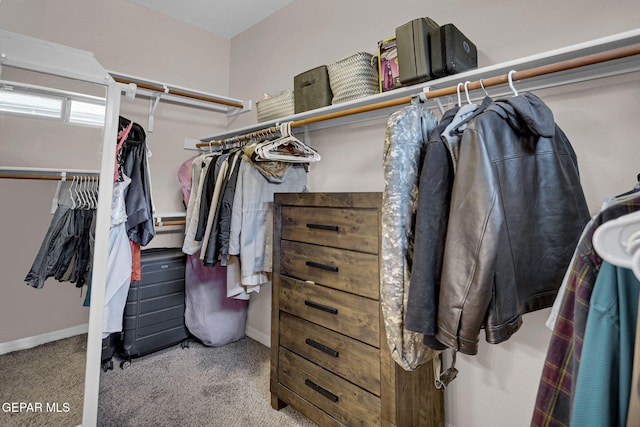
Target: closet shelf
(381,105)
(28,53)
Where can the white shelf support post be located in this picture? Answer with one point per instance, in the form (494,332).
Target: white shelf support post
(153,107)
(246,106)
(56,196)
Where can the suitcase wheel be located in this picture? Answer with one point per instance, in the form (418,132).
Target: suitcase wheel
(184,344)
(107,365)
(125,364)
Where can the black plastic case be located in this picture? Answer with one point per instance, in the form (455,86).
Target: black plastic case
(311,90)
(154,312)
(108,350)
(412,41)
(451,51)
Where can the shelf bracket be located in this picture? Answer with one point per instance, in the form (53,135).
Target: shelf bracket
(246,106)
(56,196)
(154,101)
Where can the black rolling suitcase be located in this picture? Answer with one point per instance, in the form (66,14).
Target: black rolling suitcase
(108,349)
(154,312)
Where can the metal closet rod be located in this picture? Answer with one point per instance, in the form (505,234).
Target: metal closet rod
(177,92)
(170,223)
(160,221)
(555,67)
(243,137)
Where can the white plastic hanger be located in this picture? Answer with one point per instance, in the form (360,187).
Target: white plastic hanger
(72,192)
(466,90)
(483,88)
(458,86)
(510,77)
(89,192)
(270,142)
(94,193)
(302,153)
(618,242)
(83,193)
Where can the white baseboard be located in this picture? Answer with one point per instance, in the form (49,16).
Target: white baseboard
(34,341)
(259,336)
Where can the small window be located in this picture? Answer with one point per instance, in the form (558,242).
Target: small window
(64,107)
(33,105)
(86,113)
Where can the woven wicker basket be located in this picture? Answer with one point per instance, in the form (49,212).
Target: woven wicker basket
(280,105)
(353,77)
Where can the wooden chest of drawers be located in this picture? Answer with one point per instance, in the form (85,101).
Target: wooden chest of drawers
(329,356)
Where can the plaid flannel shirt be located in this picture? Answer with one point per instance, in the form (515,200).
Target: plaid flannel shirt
(555,392)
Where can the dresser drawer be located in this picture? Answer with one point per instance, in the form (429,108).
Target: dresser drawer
(354,229)
(349,358)
(349,271)
(348,314)
(347,403)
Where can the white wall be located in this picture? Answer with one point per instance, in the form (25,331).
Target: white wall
(128,39)
(498,386)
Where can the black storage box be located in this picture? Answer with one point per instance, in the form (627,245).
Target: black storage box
(412,41)
(311,89)
(451,51)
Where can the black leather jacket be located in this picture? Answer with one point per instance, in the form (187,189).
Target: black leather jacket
(517,212)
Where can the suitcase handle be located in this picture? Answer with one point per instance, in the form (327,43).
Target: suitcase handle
(321,307)
(323,348)
(324,227)
(323,391)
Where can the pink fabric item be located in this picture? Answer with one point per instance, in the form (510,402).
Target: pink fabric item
(209,315)
(122,137)
(184,177)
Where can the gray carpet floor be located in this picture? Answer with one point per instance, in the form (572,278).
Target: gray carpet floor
(50,378)
(223,386)
(198,386)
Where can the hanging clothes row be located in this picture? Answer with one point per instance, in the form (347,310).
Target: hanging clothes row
(481,213)
(229,197)
(66,252)
(586,378)
(230,205)
(132,223)
(210,314)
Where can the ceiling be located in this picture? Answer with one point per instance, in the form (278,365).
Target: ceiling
(226,18)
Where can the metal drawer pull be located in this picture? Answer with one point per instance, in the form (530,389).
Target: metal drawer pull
(326,393)
(321,307)
(324,227)
(322,266)
(323,348)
